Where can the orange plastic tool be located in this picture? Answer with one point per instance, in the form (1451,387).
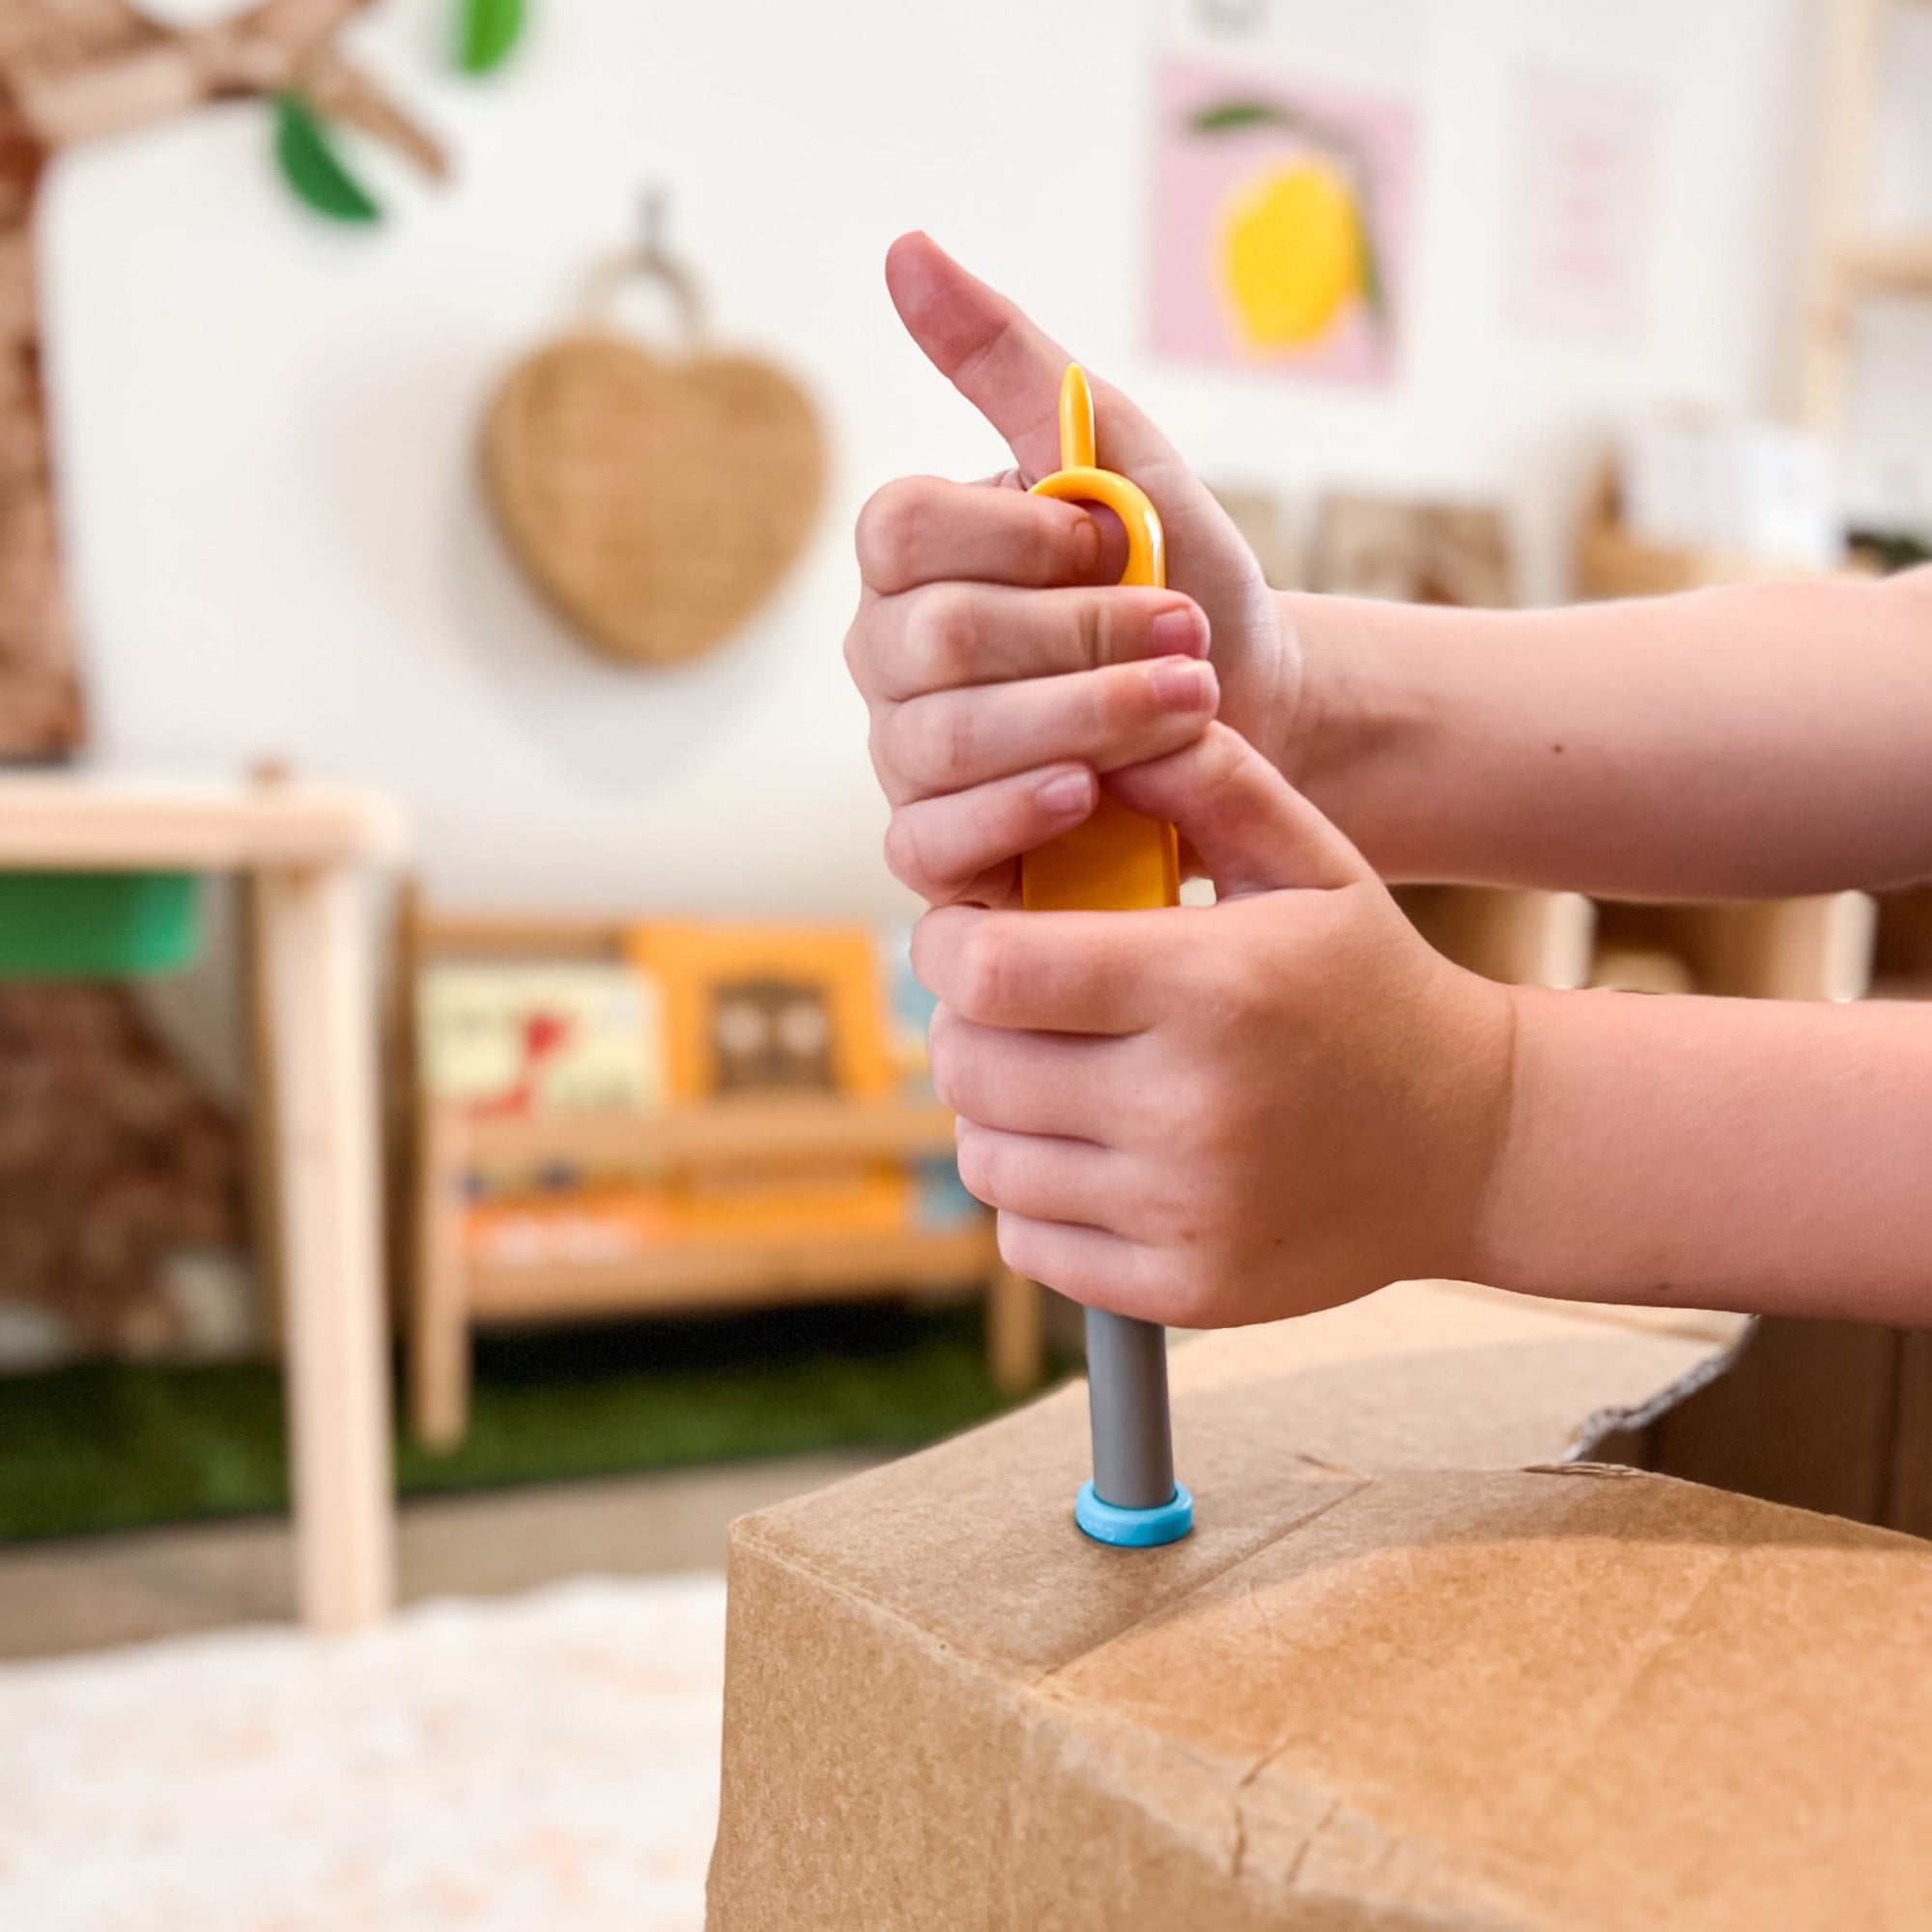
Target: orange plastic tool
(1116,862)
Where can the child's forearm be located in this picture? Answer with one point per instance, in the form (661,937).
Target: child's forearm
(1762,741)
(1762,1156)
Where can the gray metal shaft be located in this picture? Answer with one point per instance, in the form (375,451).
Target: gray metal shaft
(1126,1397)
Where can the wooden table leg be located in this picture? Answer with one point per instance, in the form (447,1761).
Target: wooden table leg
(324,1033)
(1015,1321)
(440,1312)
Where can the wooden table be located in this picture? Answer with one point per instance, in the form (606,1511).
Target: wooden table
(306,849)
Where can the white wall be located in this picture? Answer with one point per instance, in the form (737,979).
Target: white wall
(267,426)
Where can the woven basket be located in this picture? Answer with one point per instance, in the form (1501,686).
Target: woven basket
(656,499)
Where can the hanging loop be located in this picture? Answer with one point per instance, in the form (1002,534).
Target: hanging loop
(650,261)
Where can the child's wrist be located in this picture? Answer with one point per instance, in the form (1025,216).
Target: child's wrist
(1498,1237)
(1353,732)
(1563,1215)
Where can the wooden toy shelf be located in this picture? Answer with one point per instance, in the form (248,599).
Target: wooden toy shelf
(451,1290)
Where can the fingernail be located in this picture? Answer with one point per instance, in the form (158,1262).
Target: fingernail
(1185,684)
(1180,634)
(1067,794)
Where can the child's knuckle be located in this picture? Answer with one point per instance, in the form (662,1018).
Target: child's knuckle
(1234,993)
(1195,1112)
(889,530)
(946,630)
(943,1060)
(984,972)
(907,856)
(932,739)
(1093,631)
(982,1167)
(1019,1244)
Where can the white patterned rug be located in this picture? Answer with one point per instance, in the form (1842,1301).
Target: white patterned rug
(548,1762)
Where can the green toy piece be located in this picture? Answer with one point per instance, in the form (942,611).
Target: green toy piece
(311,166)
(486,32)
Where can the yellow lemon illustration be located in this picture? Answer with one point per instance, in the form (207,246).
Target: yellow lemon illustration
(1292,254)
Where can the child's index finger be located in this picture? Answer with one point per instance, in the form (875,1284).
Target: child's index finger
(1040,972)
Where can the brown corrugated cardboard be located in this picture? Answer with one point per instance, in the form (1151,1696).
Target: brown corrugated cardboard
(1409,1671)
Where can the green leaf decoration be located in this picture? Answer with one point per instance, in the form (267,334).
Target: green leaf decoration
(1231,116)
(311,166)
(486,32)
(1240,114)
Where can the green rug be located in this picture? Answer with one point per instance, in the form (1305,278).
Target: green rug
(117,1445)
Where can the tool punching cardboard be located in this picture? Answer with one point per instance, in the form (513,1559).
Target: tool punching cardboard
(1116,862)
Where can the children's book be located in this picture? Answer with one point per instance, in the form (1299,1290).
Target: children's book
(515,1039)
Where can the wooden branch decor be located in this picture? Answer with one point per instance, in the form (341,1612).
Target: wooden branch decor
(656,500)
(70,69)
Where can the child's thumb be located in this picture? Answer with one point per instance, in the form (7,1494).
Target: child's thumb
(1251,830)
(1003,365)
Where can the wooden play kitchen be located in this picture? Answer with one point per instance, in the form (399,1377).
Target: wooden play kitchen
(116,857)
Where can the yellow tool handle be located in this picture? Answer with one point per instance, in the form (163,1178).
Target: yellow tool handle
(1117,861)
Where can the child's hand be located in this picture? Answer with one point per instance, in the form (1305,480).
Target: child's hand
(1001,664)
(1212,1115)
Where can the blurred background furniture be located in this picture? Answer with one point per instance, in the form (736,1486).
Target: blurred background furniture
(1852,260)
(305,850)
(745,1196)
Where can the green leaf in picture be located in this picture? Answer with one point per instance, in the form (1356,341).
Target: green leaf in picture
(311,166)
(1238,114)
(487,30)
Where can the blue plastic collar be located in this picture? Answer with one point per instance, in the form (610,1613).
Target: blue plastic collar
(1134,1528)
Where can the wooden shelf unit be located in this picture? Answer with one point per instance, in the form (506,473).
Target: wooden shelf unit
(1893,265)
(1848,262)
(447,1293)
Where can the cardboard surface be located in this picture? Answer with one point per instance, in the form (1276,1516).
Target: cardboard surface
(1409,1671)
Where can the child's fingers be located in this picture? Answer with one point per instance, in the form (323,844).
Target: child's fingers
(942,847)
(1093,1265)
(1028,1083)
(948,740)
(924,530)
(1003,363)
(1251,829)
(1045,971)
(1044,1179)
(943,635)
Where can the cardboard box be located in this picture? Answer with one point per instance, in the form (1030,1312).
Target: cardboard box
(1414,1668)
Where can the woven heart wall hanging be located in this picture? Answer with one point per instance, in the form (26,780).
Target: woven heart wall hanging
(656,496)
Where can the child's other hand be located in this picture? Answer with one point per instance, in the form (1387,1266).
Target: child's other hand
(1213,1116)
(1002,662)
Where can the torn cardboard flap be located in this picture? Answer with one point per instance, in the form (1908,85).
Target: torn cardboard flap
(1400,1675)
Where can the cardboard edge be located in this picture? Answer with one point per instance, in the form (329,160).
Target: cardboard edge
(1597,1428)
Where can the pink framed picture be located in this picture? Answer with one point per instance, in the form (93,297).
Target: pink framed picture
(1281,224)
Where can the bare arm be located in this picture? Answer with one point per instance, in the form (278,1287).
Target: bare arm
(1761,741)
(1753,1155)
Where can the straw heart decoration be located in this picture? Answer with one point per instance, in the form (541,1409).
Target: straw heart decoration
(656,499)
